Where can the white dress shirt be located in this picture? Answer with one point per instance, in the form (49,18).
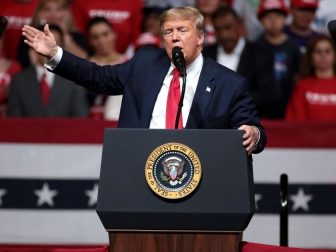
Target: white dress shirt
(49,75)
(52,63)
(231,60)
(158,120)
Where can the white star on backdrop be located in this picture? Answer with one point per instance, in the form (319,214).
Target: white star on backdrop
(2,193)
(257,197)
(45,195)
(93,195)
(300,200)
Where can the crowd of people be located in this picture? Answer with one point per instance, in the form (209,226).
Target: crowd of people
(289,65)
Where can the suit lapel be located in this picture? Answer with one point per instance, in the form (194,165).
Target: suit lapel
(153,86)
(204,92)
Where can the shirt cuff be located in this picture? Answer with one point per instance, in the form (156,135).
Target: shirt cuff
(53,62)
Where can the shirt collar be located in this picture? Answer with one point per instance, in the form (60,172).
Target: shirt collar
(49,75)
(193,68)
(40,71)
(237,50)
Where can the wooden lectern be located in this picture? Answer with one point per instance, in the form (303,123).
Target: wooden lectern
(210,219)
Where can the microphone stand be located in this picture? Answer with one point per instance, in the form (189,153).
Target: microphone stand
(180,104)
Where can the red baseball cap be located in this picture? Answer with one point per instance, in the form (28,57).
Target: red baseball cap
(305,4)
(272,5)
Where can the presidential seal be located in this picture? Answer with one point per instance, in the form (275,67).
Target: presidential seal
(173,171)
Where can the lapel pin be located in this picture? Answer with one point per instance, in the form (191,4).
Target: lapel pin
(208,89)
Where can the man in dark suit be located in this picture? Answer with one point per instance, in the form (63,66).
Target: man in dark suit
(215,96)
(36,92)
(246,58)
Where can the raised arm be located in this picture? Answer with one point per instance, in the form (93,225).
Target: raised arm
(43,42)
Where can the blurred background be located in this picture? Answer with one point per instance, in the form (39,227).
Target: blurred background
(51,131)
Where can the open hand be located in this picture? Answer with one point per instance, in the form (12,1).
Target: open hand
(43,42)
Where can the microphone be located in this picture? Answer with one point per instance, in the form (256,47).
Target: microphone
(179,62)
(178,59)
(332,29)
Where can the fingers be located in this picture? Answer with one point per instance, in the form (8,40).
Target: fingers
(27,36)
(247,131)
(46,30)
(30,30)
(249,146)
(249,138)
(28,43)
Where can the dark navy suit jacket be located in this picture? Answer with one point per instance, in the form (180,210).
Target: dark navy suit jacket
(222,99)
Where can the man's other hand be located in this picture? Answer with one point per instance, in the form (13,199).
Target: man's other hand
(250,137)
(43,42)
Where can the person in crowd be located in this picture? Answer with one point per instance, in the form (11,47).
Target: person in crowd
(36,92)
(215,97)
(168,3)
(208,8)
(272,14)
(174,3)
(248,59)
(8,68)
(303,14)
(102,39)
(18,13)
(125,17)
(151,20)
(324,14)
(56,12)
(150,28)
(314,96)
(247,11)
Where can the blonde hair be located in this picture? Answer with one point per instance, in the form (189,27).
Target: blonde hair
(185,13)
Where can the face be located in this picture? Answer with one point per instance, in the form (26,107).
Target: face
(323,56)
(52,13)
(208,7)
(273,22)
(227,31)
(152,23)
(182,33)
(302,18)
(101,38)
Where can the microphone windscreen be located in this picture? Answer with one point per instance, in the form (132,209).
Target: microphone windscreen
(178,58)
(177,53)
(332,29)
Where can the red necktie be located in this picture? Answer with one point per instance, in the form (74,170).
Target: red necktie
(173,99)
(45,90)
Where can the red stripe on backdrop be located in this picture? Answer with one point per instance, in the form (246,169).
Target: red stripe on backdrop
(53,130)
(257,247)
(51,248)
(300,135)
(280,134)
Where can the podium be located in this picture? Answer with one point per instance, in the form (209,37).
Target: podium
(139,216)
